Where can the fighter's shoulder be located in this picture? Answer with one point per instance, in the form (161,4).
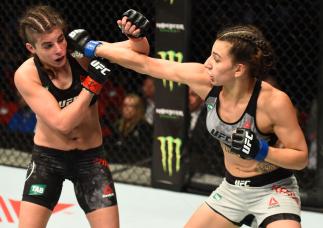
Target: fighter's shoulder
(26,72)
(272,97)
(26,68)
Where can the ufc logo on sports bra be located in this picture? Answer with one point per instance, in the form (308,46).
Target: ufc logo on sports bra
(221,137)
(242,183)
(66,102)
(247,144)
(99,66)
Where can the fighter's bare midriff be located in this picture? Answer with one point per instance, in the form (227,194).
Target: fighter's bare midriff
(78,138)
(240,167)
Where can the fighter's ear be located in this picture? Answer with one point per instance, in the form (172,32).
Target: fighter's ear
(240,69)
(30,48)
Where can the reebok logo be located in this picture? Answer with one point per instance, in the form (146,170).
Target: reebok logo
(247,144)
(107,192)
(37,189)
(273,203)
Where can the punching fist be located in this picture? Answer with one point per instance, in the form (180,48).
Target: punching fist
(98,75)
(246,144)
(135,24)
(80,43)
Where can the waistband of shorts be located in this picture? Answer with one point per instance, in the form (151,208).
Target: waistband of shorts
(259,180)
(54,151)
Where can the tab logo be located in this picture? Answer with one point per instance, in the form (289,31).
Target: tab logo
(37,189)
(99,66)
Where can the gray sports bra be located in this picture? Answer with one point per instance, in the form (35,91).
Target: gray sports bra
(222,130)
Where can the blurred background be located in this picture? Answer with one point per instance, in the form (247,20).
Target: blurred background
(293,28)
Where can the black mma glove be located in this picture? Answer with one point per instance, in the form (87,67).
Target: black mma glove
(139,20)
(98,75)
(80,43)
(246,144)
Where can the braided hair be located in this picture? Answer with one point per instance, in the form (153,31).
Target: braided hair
(249,46)
(37,20)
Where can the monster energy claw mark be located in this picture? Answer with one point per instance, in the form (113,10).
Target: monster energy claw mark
(171,55)
(168,146)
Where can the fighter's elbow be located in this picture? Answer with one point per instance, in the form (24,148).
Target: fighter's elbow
(62,127)
(303,162)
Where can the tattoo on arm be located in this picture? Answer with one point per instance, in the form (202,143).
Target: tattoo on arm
(265,167)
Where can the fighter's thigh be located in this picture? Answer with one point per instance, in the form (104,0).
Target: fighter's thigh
(33,215)
(284,223)
(278,203)
(94,186)
(42,185)
(204,216)
(228,201)
(104,217)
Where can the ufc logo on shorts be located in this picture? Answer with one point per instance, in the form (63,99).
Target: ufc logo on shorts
(247,144)
(99,66)
(242,183)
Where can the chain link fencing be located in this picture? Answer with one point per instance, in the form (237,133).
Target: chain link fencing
(292,27)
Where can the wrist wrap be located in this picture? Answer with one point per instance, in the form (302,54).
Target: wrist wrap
(89,48)
(262,154)
(92,85)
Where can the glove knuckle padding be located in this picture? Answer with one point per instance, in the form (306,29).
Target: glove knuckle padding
(128,13)
(240,131)
(139,20)
(133,17)
(244,143)
(78,38)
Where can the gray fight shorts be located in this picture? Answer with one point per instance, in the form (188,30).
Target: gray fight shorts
(236,198)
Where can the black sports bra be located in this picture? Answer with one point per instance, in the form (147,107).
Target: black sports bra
(64,96)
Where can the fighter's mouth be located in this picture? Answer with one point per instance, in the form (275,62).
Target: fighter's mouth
(59,59)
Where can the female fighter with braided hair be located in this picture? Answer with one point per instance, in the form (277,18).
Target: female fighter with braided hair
(62,92)
(247,116)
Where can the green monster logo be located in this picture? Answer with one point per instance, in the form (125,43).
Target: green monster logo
(171,56)
(170,148)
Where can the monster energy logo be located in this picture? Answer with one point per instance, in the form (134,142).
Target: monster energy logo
(170,149)
(171,56)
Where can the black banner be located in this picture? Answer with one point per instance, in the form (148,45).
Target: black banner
(171,114)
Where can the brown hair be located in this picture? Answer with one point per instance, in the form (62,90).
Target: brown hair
(37,20)
(249,46)
(125,127)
